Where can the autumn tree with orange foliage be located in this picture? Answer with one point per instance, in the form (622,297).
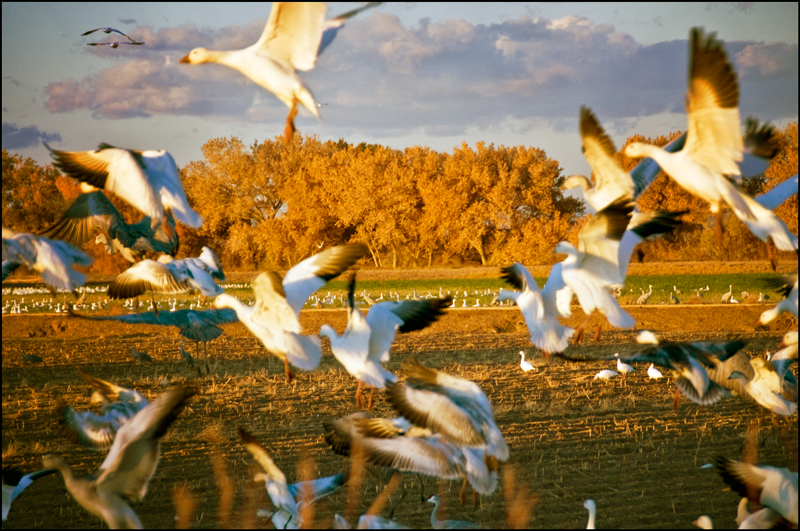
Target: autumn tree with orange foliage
(31,199)
(275,204)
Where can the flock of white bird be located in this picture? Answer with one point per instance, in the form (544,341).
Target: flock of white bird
(446,425)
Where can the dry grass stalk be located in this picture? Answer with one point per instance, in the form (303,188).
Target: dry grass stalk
(225,489)
(305,472)
(519,502)
(253,492)
(382,498)
(358,463)
(185,504)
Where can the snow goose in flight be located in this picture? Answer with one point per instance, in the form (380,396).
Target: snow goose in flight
(788,345)
(54,260)
(594,266)
(447,524)
(398,444)
(196,325)
(779,194)
(114,44)
(612,181)
(769,486)
(92,215)
(130,464)
(449,405)
(274,318)
(148,180)
(365,343)
(107,31)
(789,304)
(714,144)
(538,311)
(14,482)
(286,498)
(170,276)
(96,432)
(291,40)
(688,363)
(766,385)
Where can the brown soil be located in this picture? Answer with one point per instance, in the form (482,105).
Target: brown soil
(571,438)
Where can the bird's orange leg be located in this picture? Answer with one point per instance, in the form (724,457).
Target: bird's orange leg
(597,333)
(462,494)
(359,396)
(579,330)
(371,396)
(288,131)
(676,400)
(288,371)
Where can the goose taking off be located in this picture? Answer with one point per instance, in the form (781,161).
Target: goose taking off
(714,144)
(274,318)
(769,486)
(452,406)
(170,276)
(766,385)
(92,215)
(789,304)
(365,343)
(286,498)
(148,180)
(398,444)
(130,464)
(52,259)
(291,40)
(612,182)
(593,267)
(538,308)
(14,482)
(97,432)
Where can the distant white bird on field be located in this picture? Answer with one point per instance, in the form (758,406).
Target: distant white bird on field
(606,374)
(726,297)
(623,368)
(654,373)
(525,365)
(447,524)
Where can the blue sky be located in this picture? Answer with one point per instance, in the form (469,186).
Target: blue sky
(399,75)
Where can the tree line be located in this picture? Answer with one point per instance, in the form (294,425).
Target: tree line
(270,205)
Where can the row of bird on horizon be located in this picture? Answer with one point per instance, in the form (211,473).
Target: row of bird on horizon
(443,416)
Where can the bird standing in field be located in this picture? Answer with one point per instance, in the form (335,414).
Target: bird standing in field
(525,365)
(623,368)
(644,297)
(654,373)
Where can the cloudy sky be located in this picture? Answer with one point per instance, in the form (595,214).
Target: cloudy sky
(399,75)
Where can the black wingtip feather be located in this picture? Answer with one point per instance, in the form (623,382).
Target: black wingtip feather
(510,275)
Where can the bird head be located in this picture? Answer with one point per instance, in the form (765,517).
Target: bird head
(196,56)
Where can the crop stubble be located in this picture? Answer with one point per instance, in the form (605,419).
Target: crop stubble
(571,437)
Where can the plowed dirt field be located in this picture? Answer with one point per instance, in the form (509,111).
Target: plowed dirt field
(571,437)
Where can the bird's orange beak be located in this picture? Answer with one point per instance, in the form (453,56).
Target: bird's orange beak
(781,345)
(185,59)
